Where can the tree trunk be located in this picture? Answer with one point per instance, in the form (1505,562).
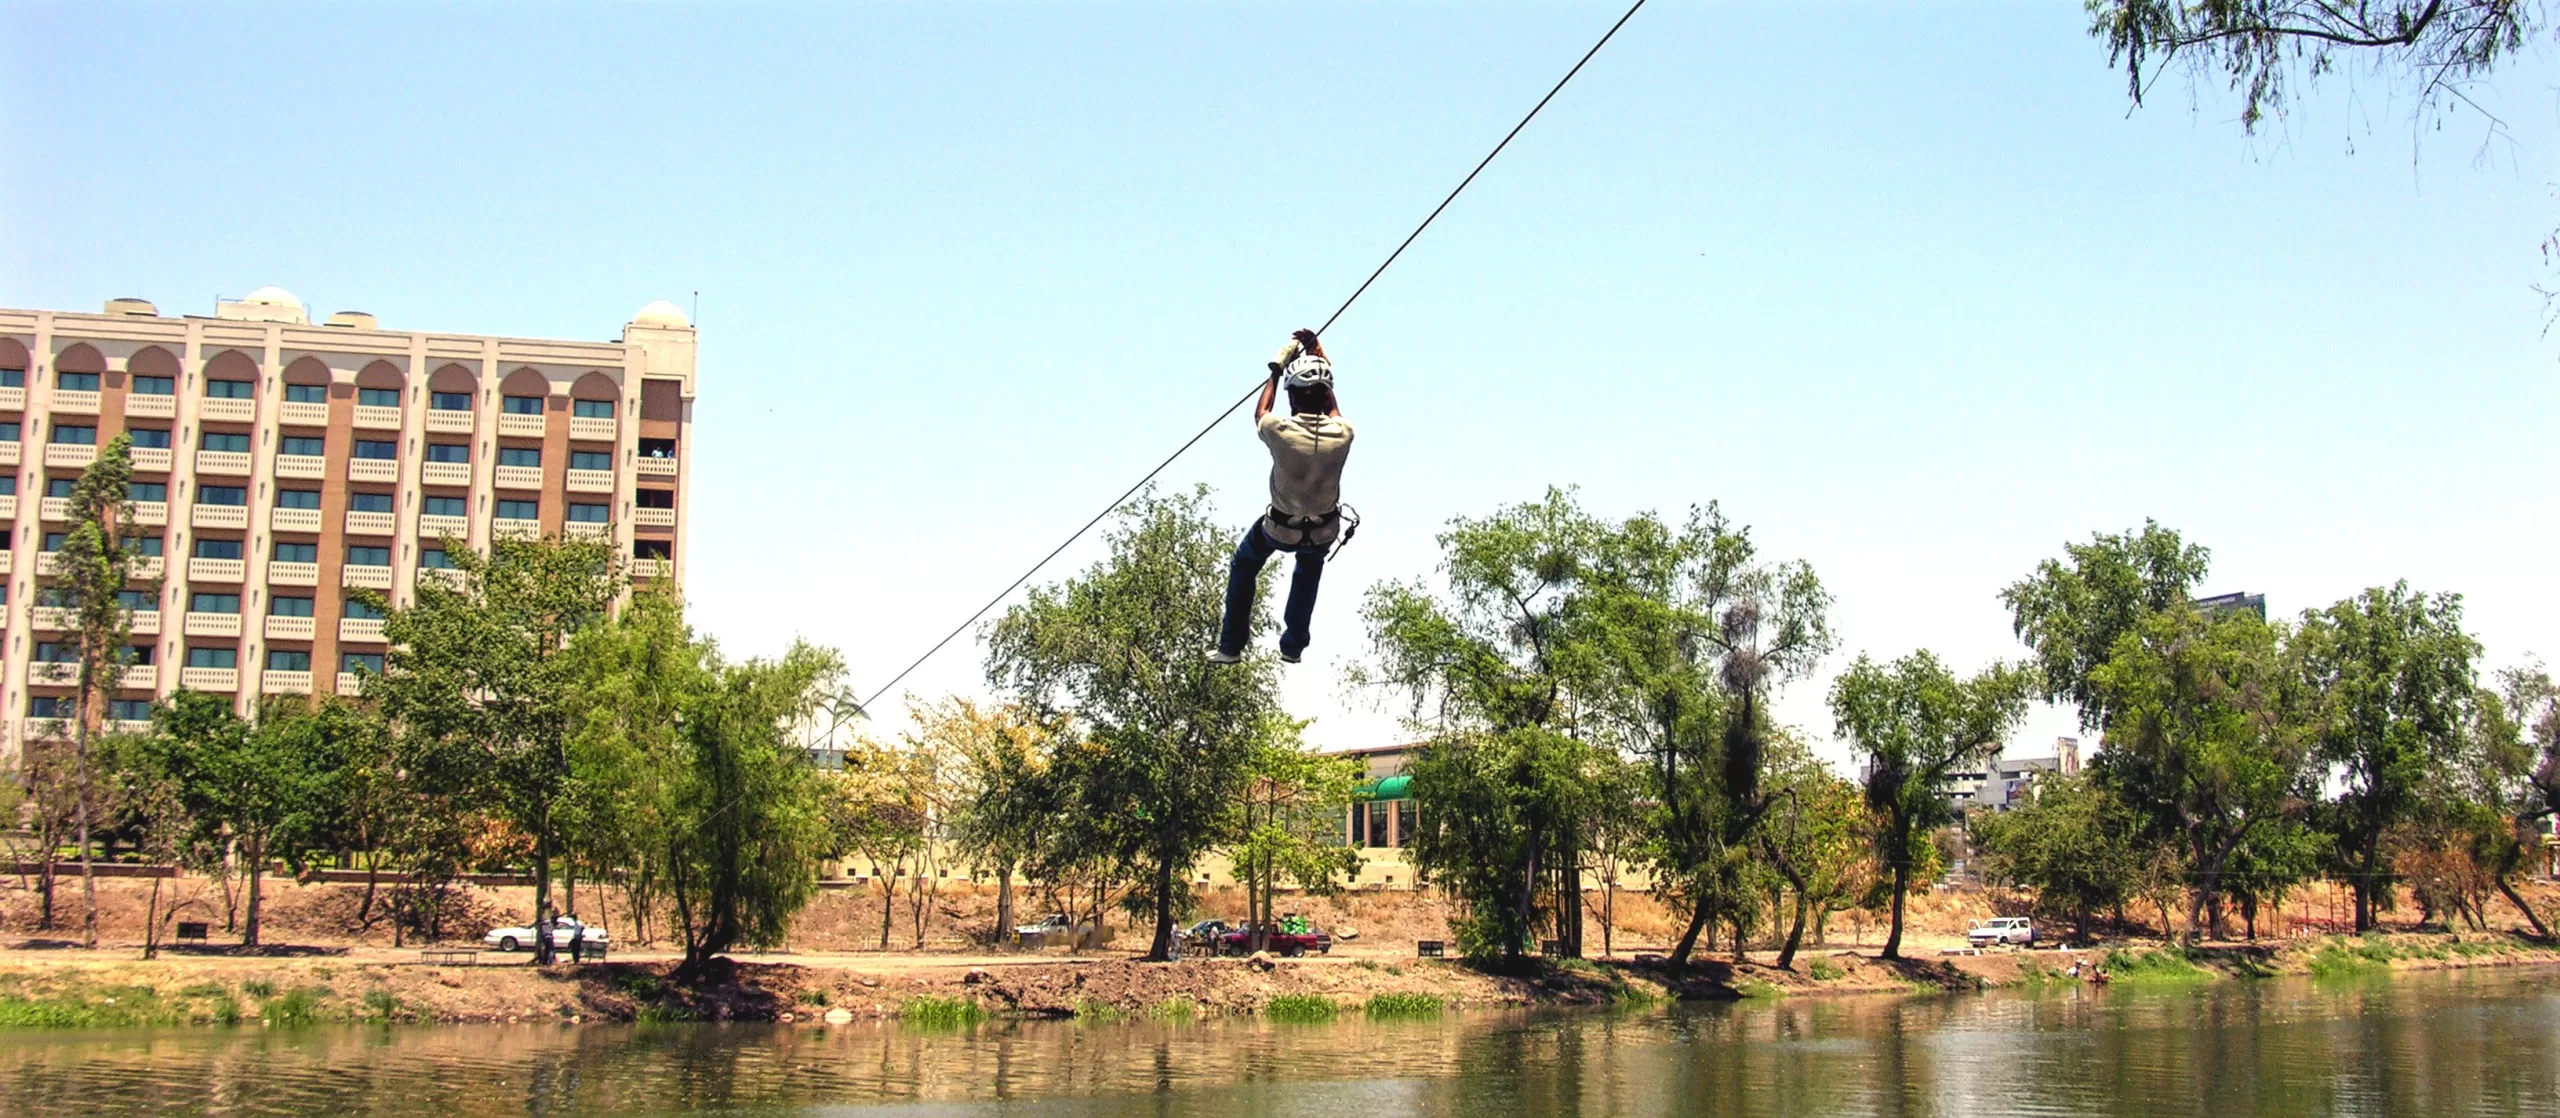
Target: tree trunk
(2539,931)
(543,953)
(80,809)
(257,874)
(1795,936)
(151,923)
(1689,938)
(1901,885)
(1004,905)
(2363,883)
(1162,949)
(1569,910)
(888,904)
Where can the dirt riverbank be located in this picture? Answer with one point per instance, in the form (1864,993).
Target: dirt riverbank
(70,988)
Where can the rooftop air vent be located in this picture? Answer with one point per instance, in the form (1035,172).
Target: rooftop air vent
(354,320)
(136,308)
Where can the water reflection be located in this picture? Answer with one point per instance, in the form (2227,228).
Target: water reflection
(2480,1043)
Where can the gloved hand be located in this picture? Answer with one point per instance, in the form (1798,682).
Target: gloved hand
(1303,341)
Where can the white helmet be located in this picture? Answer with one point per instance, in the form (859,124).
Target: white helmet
(1307,370)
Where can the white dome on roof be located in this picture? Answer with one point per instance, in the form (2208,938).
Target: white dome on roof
(273,297)
(660,313)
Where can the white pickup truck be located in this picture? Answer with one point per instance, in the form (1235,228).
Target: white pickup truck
(2016,930)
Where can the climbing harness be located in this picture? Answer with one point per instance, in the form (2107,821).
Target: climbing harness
(1346,515)
(1257,388)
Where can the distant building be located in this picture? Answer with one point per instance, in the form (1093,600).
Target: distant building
(2242,600)
(2005,781)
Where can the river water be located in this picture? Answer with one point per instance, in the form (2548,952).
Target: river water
(2447,1044)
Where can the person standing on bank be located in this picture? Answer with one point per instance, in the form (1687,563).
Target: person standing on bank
(1308,444)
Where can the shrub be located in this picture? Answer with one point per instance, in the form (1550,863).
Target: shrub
(1823,970)
(381,1004)
(2165,965)
(940,1012)
(810,997)
(1098,1013)
(1175,1009)
(296,1008)
(258,988)
(1754,988)
(1403,1005)
(1300,1007)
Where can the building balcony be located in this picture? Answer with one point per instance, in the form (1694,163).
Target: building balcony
(152,459)
(10,452)
(441,576)
(69,454)
(655,467)
(210,679)
(50,617)
(212,624)
(373,469)
(217,570)
(145,622)
(439,527)
(294,520)
(516,529)
(232,463)
(377,419)
(518,477)
(54,675)
(13,399)
(349,683)
(594,430)
(291,628)
(360,629)
(370,524)
(8,507)
(225,409)
(127,726)
(85,403)
(47,565)
(141,677)
(310,466)
(445,473)
(654,518)
(150,407)
(293,574)
(277,681)
(293,414)
(586,530)
(590,481)
(54,508)
(151,513)
(219,516)
(522,426)
(8,561)
(449,422)
(368,578)
(148,567)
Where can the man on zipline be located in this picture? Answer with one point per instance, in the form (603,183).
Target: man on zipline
(1309,444)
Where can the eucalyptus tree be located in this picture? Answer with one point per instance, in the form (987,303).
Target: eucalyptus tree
(2208,741)
(479,684)
(2393,673)
(91,571)
(2073,610)
(1166,739)
(1914,722)
(1813,837)
(1003,804)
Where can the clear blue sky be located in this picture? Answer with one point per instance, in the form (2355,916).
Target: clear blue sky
(1904,286)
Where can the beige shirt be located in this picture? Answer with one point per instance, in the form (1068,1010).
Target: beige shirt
(1307,453)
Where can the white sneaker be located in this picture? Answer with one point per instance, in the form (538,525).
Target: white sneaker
(1217,657)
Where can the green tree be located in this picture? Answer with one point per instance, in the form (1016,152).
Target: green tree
(91,570)
(479,684)
(748,826)
(2392,671)
(1914,723)
(1168,739)
(629,680)
(2207,739)
(1292,829)
(2077,845)
(1003,804)
(1812,838)
(265,788)
(2263,47)
(2073,610)
(2521,768)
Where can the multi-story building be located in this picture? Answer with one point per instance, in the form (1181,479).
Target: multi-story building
(285,463)
(2003,781)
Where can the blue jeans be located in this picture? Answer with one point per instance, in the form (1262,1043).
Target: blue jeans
(1243,574)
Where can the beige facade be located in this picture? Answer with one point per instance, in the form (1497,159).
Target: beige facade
(286,463)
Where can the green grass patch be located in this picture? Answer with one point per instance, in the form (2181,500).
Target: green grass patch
(646,987)
(295,1009)
(940,1012)
(1175,1009)
(226,1011)
(2335,962)
(205,990)
(664,1015)
(1403,1005)
(1094,1012)
(810,997)
(381,1005)
(2163,965)
(1754,988)
(1300,1007)
(258,988)
(1824,970)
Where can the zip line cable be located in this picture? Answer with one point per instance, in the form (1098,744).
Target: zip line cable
(1194,440)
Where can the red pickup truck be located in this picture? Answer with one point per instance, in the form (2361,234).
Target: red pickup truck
(1239,941)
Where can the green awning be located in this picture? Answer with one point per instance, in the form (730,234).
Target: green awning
(1391,788)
